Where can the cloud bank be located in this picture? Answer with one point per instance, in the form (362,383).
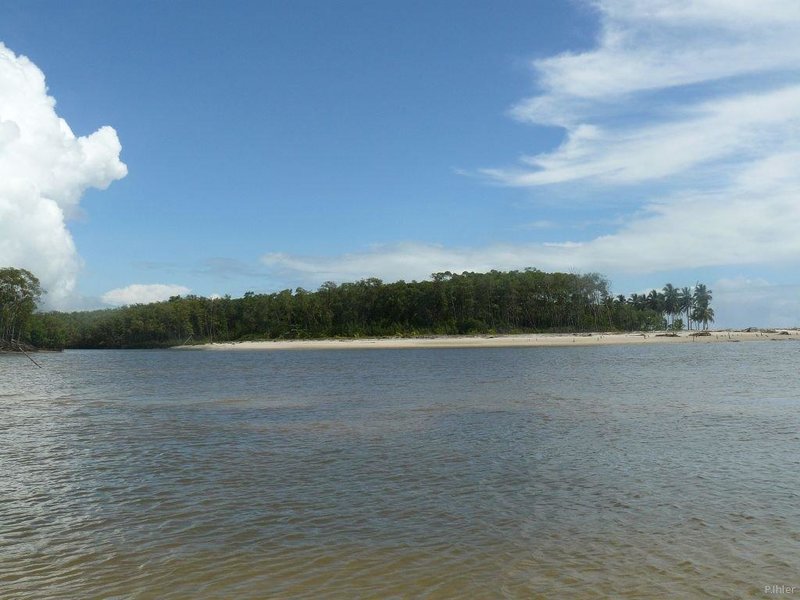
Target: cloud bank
(689,109)
(44,171)
(138,293)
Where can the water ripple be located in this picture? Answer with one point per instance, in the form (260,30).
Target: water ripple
(509,473)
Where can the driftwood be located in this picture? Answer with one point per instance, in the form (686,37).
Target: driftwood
(14,346)
(19,347)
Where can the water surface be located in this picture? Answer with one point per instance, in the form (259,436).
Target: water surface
(658,471)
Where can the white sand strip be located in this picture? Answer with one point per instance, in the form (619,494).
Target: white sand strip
(508,341)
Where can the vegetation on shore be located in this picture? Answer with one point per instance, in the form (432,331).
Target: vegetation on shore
(20,292)
(448,303)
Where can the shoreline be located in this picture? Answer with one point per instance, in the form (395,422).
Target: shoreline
(524,340)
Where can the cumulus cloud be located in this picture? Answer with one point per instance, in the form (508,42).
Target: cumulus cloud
(44,171)
(139,293)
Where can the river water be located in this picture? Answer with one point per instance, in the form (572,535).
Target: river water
(639,472)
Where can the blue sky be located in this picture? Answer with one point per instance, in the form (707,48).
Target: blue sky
(265,145)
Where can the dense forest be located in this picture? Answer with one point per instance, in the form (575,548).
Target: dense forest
(448,303)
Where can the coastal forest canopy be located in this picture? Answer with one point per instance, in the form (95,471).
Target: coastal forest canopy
(447,303)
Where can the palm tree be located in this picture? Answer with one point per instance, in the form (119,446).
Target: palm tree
(686,304)
(671,302)
(655,302)
(638,301)
(704,315)
(702,295)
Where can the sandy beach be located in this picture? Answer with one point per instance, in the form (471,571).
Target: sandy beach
(511,341)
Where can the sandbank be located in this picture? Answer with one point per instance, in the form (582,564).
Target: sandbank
(511,341)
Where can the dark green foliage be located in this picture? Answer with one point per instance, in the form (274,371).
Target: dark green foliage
(671,302)
(702,312)
(20,292)
(448,303)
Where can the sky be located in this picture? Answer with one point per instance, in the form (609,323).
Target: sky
(149,149)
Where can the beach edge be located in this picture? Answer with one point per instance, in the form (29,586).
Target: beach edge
(525,340)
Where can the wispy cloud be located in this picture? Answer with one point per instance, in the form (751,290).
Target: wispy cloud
(689,108)
(539,224)
(227,268)
(672,234)
(652,45)
(672,86)
(714,133)
(139,293)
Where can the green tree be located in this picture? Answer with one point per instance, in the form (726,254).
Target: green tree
(20,292)
(502,302)
(686,304)
(702,295)
(704,315)
(671,301)
(655,301)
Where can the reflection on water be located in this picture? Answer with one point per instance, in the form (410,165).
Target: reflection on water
(659,471)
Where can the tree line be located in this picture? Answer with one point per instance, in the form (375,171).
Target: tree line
(673,304)
(448,303)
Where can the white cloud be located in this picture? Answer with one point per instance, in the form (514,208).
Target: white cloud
(674,234)
(701,98)
(685,230)
(656,44)
(738,302)
(44,171)
(672,86)
(735,128)
(539,224)
(389,262)
(139,293)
